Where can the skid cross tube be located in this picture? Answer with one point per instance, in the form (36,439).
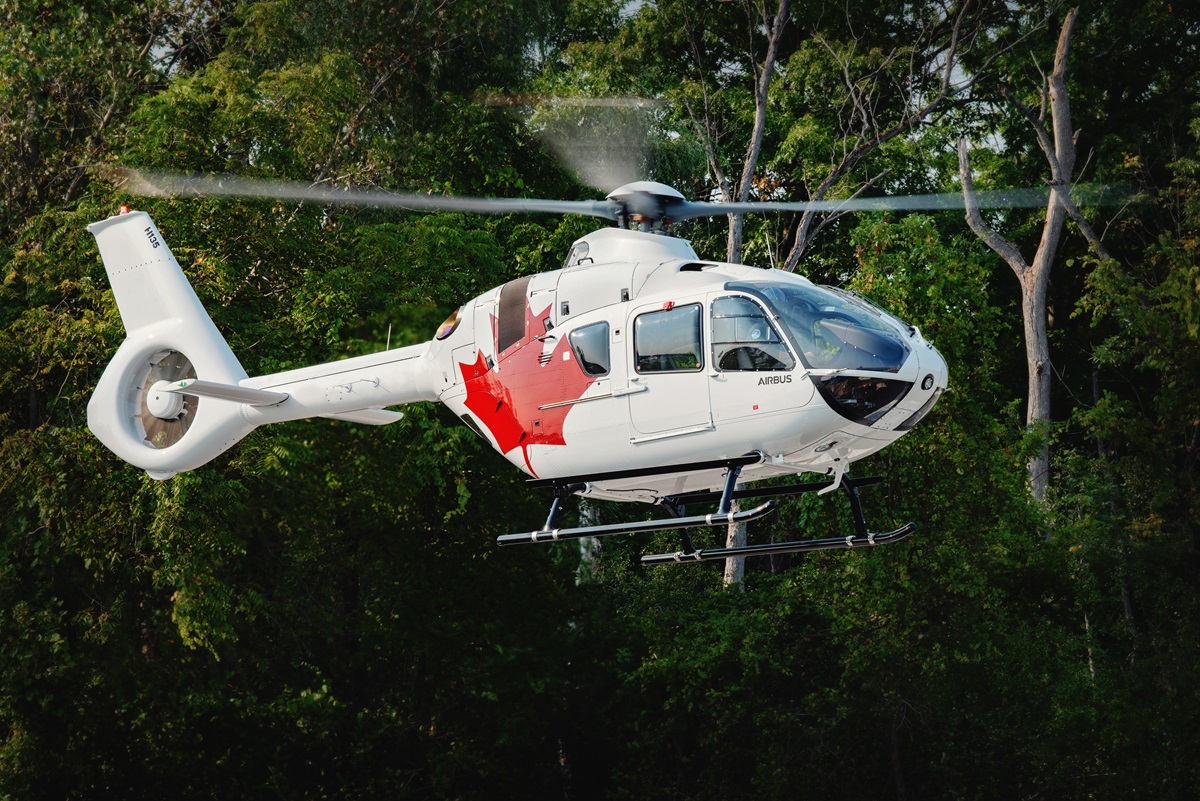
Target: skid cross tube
(556,504)
(730,485)
(726,503)
(679,510)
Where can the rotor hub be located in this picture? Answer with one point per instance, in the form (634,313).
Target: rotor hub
(646,204)
(162,404)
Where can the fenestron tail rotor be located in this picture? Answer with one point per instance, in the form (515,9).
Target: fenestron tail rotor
(164,417)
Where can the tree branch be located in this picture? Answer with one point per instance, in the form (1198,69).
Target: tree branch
(761,91)
(98,135)
(353,124)
(1004,248)
(754,148)
(837,213)
(704,123)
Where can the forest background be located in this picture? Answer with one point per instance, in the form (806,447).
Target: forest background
(321,613)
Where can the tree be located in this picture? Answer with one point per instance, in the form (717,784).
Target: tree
(1058,146)
(884,88)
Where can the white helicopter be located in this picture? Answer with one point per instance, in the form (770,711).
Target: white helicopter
(637,372)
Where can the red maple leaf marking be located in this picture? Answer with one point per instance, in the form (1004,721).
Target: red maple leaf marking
(507,400)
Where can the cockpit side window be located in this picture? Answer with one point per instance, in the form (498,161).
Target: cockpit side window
(590,344)
(744,339)
(668,340)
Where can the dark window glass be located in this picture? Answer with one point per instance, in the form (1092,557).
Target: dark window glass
(510,322)
(590,344)
(668,340)
(863,399)
(744,339)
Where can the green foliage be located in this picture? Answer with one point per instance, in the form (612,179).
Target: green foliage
(71,74)
(1128,508)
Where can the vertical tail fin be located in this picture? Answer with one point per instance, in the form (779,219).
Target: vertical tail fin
(169,338)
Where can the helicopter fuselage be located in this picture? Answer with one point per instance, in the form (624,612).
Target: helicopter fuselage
(638,352)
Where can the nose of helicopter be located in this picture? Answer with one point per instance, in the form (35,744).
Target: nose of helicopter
(932,380)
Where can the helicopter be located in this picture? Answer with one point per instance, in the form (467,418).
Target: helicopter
(637,372)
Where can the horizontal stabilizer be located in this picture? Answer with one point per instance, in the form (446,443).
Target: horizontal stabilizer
(226,392)
(371,417)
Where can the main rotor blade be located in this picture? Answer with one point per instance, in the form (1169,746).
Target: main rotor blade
(991,199)
(156,184)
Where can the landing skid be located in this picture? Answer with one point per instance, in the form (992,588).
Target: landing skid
(776,548)
(724,516)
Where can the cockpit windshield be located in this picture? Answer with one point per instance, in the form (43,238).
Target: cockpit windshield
(833,330)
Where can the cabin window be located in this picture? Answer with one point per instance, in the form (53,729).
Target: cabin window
(668,340)
(590,344)
(743,339)
(577,254)
(510,317)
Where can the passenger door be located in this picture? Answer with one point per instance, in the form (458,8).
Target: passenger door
(668,360)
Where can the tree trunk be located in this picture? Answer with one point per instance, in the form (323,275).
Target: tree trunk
(735,568)
(706,125)
(1037,356)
